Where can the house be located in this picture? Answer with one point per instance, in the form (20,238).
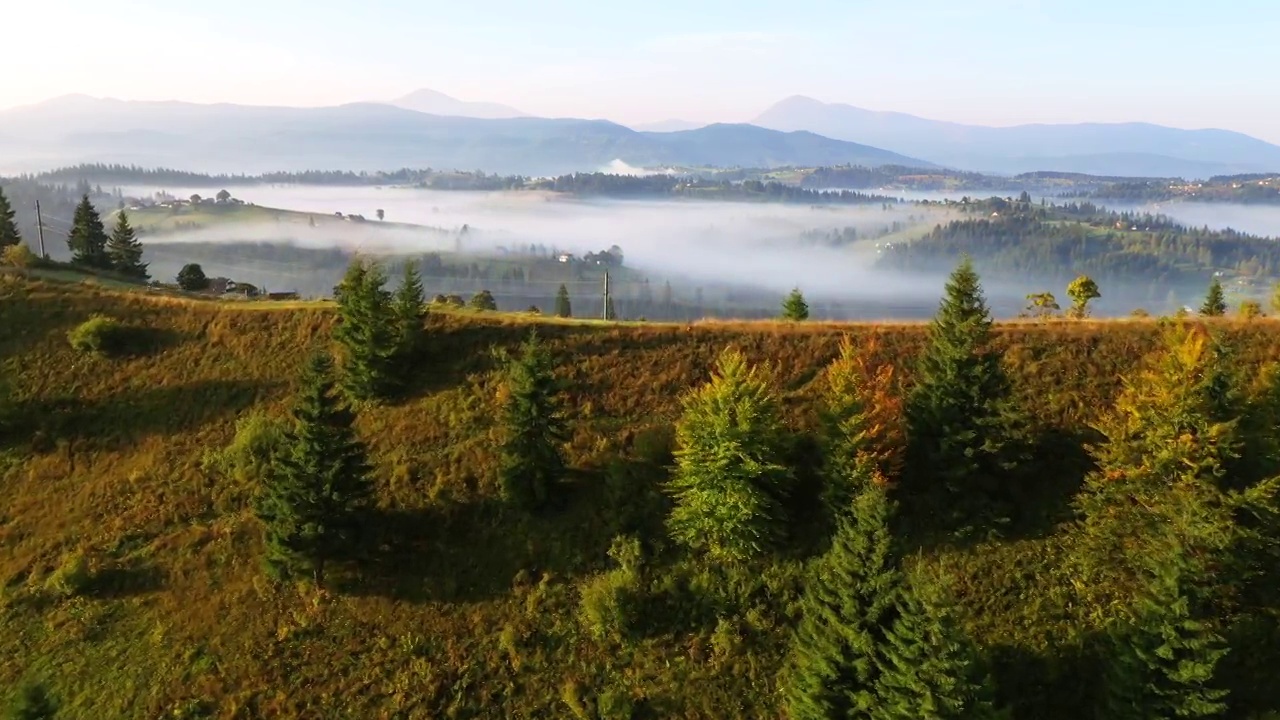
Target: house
(565,257)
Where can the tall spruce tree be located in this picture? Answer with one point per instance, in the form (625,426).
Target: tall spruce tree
(564,308)
(794,307)
(531,460)
(410,311)
(8,225)
(849,601)
(367,332)
(88,239)
(312,503)
(961,425)
(729,483)
(1162,663)
(930,669)
(1215,302)
(125,251)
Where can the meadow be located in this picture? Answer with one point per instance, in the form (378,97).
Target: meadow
(130,563)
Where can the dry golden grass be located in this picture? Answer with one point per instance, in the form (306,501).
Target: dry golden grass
(472,612)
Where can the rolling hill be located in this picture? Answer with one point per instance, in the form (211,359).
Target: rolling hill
(373,136)
(1127,149)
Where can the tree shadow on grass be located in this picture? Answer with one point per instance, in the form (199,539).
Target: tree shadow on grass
(128,416)
(125,581)
(473,551)
(1062,682)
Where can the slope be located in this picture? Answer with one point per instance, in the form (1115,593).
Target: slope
(158,607)
(1130,149)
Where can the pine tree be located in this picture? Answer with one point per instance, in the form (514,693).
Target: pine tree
(961,426)
(531,460)
(1215,303)
(410,311)
(794,307)
(88,238)
(563,307)
(311,504)
(1162,664)
(8,225)
(125,251)
(729,482)
(930,669)
(849,600)
(367,332)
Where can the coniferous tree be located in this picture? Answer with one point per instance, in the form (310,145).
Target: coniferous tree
(564,308)
(312,502)
(531,459)
(8,225)
(88,238)
(125,251)
(410,310)
(794,307)
(930,669)
(1215,302)
(1161,665)
(861,417)
(849,601)
(729,482)
(961,427)
(367,332)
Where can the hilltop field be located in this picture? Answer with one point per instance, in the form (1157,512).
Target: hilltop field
(130,564)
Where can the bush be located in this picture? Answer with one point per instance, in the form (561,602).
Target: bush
(19,256)
(483,300)
(33,703)
(71,578)
(610,600)
(99,335)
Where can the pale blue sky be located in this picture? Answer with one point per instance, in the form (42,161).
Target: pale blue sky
(1186,63)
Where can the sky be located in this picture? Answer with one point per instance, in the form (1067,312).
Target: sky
(1184,63)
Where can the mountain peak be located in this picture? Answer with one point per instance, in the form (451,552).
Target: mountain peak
(434,102)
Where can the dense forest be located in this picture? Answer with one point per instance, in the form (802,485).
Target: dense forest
(1143,258)
(378,510)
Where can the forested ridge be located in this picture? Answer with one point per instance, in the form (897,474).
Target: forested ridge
(530,523)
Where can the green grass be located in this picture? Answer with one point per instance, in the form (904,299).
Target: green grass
(468,610)
(160,220)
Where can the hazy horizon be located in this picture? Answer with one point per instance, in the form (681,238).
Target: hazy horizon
(723,62)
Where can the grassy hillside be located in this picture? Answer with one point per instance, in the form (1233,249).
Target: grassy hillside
(468,610)
(158,219)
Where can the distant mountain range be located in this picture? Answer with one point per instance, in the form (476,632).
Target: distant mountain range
(376,136)
(437,103)
(430,129)
(1127,149)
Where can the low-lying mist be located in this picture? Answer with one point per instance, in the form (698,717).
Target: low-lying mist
(759,245)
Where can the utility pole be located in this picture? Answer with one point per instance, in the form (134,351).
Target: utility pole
(605,312)
(40,230)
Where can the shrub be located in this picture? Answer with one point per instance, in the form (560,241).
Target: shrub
(1250,309)
(610,600)
(250,455)
(71,578)
(483,300)
(19,256)
(33,703)
(99,335)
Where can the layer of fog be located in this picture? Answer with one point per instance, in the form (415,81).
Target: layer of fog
(751,244)
(1262,220)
